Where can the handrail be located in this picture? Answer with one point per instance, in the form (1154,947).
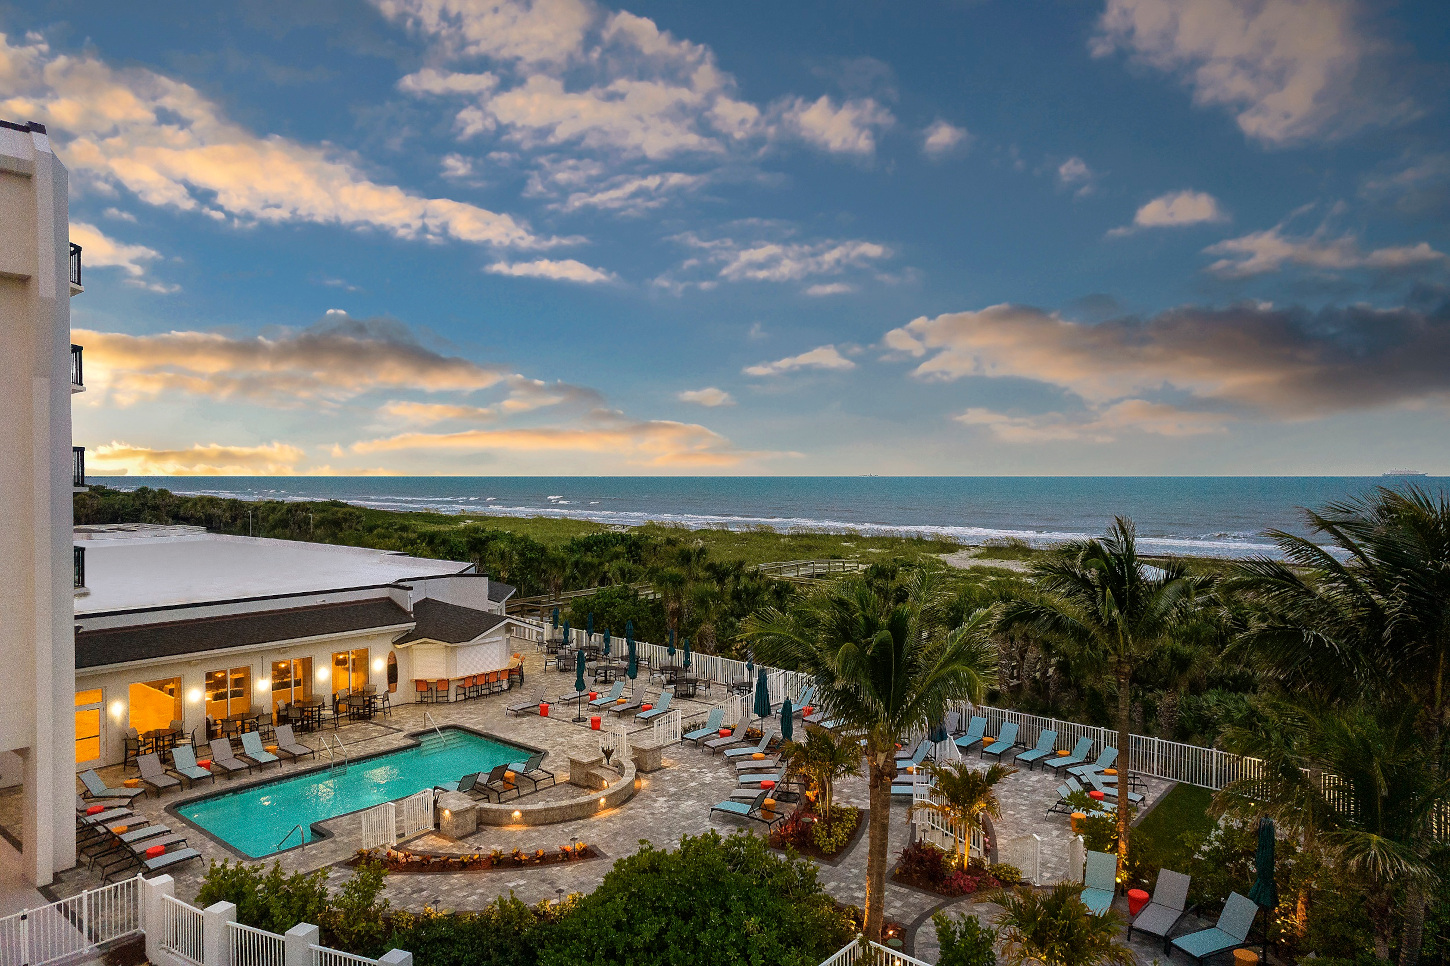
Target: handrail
(334,745)
(295,828)
(427,717)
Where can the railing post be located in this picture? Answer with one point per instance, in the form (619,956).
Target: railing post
(396,957)
(153,916)
(1076,860)
(298,942)
(216,943)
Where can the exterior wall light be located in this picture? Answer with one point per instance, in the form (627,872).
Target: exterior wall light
(194,695)
(118,709)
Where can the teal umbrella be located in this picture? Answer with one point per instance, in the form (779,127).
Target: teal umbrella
(566,633)
(629,633)
(578,671)
(1265,893)
(787,719)
(589,627)
(606,642)
(556,618)
(632,670)
(671,649)
(762,696)
(686,659)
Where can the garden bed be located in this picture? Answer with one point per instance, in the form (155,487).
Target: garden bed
(798,832)
(925,867)
(408,862)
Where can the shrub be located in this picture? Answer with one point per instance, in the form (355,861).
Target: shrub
(924,862)
(1008,875)
(270,899)
(964,941)
(505,933)
(832,833)
(357,919)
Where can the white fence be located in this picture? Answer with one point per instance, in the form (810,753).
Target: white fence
(251,946)
(182,930)
(322,956)
(415,814)
(385,825)
(617,741)
(667,729)
(71,926)
(874,954)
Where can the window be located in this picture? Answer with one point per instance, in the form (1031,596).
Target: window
(155,704)
(392,672)
(228,692)
(291,681)
(88,726)
(350,670)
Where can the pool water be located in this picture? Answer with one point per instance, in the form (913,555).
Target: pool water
(256,820)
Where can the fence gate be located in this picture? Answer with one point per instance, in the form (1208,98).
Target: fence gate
(71,926)
(380,826)
(415,814)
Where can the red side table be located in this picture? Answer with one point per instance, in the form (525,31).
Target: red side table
(1137,899)
(594,720)
(1096,795)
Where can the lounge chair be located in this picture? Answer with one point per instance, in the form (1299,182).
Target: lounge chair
(815,717)
(222,757)
(615,693)
(1066,789)
(167,859)
(1078,756)
(252,750)
(1110,791)
(912,763)
(754,779)
(662,706)
(1162,913)
(464,784)
(287,744)
(1100,881)
(804,701)
(154,776)
(905,785)
(533,770)
(1105,760)
(735,737)
(530,705)
(95,788)
(1231,932)
(499,783)
(753,810)
(974,732)
(127,855)
(183,761)
(711,729)
(1005,742)
(757,764)
(630,706)
(765,739)
(1046,745)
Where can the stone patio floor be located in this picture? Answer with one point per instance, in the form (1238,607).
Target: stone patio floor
(668,805)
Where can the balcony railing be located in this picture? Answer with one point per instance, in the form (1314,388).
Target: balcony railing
(75,264)
(77,373)
(80,567)
(78,465)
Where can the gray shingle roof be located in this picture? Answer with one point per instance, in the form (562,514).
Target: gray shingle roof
(448,623)
(498,592)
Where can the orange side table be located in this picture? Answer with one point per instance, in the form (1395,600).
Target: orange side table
(1137,899)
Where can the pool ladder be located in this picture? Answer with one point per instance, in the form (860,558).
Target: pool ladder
(429,719)
(301,835)
(335,747)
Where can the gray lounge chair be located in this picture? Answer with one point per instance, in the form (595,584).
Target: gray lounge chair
(735,737)
(662,706)
(95,788)
(223,757)
(630,706)
(287,744)
(464,784)
(711,729)
(183,758)
(1046,745)
(754,779)
(765,739)
(530,705)
(975,730)
(533,770)
(252,750)
(499,783)
(1231,932)
(1078,756)
(167,859)
(1105,761)
(923,748)
(615,693)
(757,764)
(154,776)
(1100,881)
(753,809)
(1163,912)
(1005,742)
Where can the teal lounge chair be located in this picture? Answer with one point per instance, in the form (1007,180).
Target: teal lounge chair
(753,809)
(975,730)
(754,780)
(765,740)
(1078,756)
(1061,807)
(464,784)
(662,706)
(1110,791)
(1105,760)
(95,788)
(1231,932)
(615,693)
(183,757)
(1005,742)
(1046,745)
(1100,882)
(917,757)
(711,729)
(253,750)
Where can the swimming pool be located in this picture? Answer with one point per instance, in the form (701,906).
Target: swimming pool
(255,820)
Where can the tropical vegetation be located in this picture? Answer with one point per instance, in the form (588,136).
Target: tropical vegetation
(1054,928)
(964,796)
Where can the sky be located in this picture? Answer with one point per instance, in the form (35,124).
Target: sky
(500,237)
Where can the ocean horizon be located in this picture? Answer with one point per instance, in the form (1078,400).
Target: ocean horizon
(1192,516)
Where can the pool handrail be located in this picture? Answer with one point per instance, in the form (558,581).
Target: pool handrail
(295,828)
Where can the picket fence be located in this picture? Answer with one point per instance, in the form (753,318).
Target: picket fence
(870,954)
(385,825)
(71,926)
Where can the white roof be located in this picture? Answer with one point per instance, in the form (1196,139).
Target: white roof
(139,567)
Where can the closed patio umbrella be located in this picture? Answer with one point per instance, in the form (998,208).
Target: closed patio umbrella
(1265,892)
(787,719)
(686,659)
(566,632)
(632,669)
(671,649)
(555,618)
(578,672)
(762,697)
(589,626)
(606,642)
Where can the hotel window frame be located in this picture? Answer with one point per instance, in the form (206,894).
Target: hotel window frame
(351,673)
(178,712)
(88,708)
(300,684)
(242,705)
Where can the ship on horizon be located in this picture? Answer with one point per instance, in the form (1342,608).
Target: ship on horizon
(1405,473)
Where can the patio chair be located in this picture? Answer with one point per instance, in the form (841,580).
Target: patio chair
(975,730)
(630,706)
(917,757)
(423,691)
(1109,791)
(252,750)
(1100,881)
(464,784)
(1046,745)
(615,693)
(711,728)
(1005,742)
(1077,757)
(1162,913)
(754,809)
(222,757)
(498,783)
(533,770)
(1231,932)
(95,788)
(130,747)
(662,706)
(183,758)
(765,739)
(735,737)
(287,744)
(1105,760)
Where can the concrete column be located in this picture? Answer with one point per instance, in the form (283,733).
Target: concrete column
(215,936)
(299,940)
(1076,859)
(396,957)
(151,913)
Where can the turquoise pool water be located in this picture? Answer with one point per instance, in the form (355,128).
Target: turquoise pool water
(255,820)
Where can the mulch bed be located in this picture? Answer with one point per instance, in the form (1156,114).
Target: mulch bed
(407,862)
(804,844)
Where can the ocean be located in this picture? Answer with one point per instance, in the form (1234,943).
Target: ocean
(1191,516)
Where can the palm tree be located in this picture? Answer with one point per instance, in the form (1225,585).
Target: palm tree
(1098,597)
(884,666)
(1370,615)
(964,796)
(823,758)
(1054,928)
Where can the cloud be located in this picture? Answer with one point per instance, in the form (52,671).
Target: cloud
(1415,185)
(425,414)
(1291,70)
(1075,175)
(767,260)
(821,357)
(118,214)
(564,270)
(213,459)
(1261,252)
(1176,209)
(848,128)
(172,147)
(830,288)
(100,251)
(1100,426)
(1287,363)
(709,397)
(942,138)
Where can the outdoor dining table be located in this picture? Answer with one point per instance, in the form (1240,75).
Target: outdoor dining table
(311,710)
(606,673)
(686,685)
(159,740)
(742,686)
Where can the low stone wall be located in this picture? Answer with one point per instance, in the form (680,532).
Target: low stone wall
(584,805)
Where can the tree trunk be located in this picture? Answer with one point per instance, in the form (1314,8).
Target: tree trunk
(881,769)
(1413,934)
(1125,772)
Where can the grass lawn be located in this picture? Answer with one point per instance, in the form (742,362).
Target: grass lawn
(1170,834)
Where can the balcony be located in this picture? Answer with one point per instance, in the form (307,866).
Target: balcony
(78,468)
(75,269)
(77,374)
(80,567)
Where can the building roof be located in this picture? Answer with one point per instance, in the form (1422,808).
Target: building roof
(498,593)
(98,648)
(448,623)
(139,568)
